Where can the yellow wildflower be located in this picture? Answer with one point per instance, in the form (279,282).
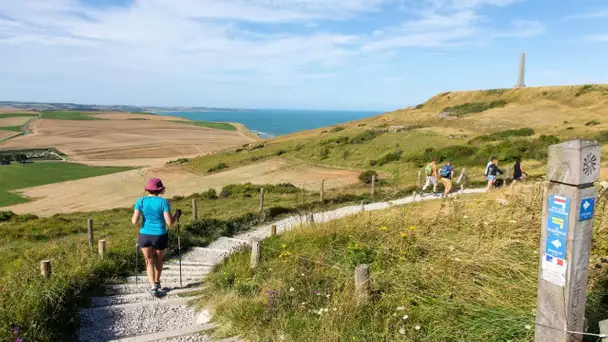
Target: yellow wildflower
(412,228)
(384,228)
(283,245)
(403,234)
(285,254)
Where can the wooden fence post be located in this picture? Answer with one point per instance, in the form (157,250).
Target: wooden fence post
(256,252)
(362,206)
(604,329)
(413,196)
(261,210)
(194,210)
(567,226)
(373,191)
(420,179)
(362,285)
(101,247)
(90,230)
(45,268)
(273,230)
(322,191)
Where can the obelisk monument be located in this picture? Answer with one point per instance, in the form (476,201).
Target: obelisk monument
(522,72)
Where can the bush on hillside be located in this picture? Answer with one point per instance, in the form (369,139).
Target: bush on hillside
(420,106)
(337,129)
(521,132)
(334,140)
(390,157)
(474,107)
(257,147)
(6,215)
(218,167)
(324,153)
(601,137)
(592,123)
(366,136)
(210,194)
(178,161)
(366,176)
(281,152)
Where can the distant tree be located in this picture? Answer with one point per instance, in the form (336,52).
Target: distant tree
(6,160)
(20,158)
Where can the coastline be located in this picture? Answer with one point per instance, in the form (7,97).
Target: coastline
(241,128)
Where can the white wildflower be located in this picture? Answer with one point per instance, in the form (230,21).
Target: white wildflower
(302,274)
(335,309)
(327,296)
(394,315)
(465,217)
(400,308)
(417,327)
(512,221)
(326,309)
(402,331)
(291,289)
(451,248)
(303,303)
(528,327)
(405,317)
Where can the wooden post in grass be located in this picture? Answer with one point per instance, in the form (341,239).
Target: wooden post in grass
(322,191)
(256,252)
(362,285)
(45,268)
(194,210)
(462,179)
(262,205)
(273,230)
(413,196)
(604,329)
(373,191)
(90,230)
(567,225)
(101,247)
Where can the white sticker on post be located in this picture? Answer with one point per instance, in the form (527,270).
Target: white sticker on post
(554,270)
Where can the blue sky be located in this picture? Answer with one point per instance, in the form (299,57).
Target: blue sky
(315,54)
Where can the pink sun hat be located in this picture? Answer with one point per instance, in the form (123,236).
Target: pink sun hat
(154,184)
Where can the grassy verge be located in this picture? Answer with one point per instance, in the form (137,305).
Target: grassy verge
(67,115)
(47,309)
(19,176)
(215,125)
(11,128)
(454,270)
(16,115)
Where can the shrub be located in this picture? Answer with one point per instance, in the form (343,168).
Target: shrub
(281,188)
(521,132)
(602,137)
(257,147)
(420,106)
(179,161)
(373,162)
(218,167)
(390,157)
(569,128)
(495,91)
(592,123)
(281,152)
(177,198)
(324,153)
(366,136)
(276,211)
(336,140)
(6,215)
(366,176)
(244,190)
(474,107)
(210,194)
(337,129)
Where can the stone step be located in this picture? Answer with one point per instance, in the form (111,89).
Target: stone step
(119,289)
(167,278)
(174,301)
(115,323)
(174,263)
(172,334)
(143,297)
(227,243)
(205,255)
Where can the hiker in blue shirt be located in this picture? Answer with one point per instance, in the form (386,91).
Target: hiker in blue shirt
(447,173)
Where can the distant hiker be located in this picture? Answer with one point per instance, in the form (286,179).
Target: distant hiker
(431,175)
(155,213)
(492,171)
(447,173)
(518,172)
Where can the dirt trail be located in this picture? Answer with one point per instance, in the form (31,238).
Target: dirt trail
(120,189)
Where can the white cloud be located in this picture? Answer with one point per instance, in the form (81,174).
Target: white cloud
(593,14)
(598,38)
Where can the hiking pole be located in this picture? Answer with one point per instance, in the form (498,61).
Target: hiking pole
(136,268)
(178,214)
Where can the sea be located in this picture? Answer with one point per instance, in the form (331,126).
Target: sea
(268,123)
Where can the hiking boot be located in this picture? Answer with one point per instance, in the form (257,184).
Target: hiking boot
(154,290)
(157,285)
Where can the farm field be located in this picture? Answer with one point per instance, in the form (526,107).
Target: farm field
(17,176)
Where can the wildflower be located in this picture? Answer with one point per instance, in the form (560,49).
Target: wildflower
(302,274)
(291,289)
(403,234)
(303,303)
(512,221)
(394,315)
(316,292)
(451,248)
(384,228)
(402,331)
(270,269)
(283,245)
(528,327)
(285,254)
(327,296)
(400,308)
(405,317)
(326,309)
(417,327)
(412,228)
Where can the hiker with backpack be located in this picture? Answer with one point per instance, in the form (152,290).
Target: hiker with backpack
(492,171)
(155,213)
(431,175)
(447,173)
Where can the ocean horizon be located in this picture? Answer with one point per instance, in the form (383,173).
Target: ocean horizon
(268,123)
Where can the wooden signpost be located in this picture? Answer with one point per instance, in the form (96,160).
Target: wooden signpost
(568,209)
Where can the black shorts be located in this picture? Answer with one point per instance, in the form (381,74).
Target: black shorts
(158,242)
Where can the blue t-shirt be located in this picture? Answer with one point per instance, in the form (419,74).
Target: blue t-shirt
(448,169)
(152,210)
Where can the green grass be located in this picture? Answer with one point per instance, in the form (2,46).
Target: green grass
(14,115)
(66,115)
(19,176)
(215,125)
(11,128)
(442,264)
(474,107)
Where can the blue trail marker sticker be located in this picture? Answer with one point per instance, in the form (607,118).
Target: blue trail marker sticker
(587,209)
(557,226)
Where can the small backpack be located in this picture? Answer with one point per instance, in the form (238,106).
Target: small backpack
(428,169)
(444,172)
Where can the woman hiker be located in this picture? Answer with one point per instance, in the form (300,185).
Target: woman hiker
(155,213)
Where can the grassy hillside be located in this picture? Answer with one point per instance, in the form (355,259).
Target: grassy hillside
(455,270)
(215,125)
(19,176)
